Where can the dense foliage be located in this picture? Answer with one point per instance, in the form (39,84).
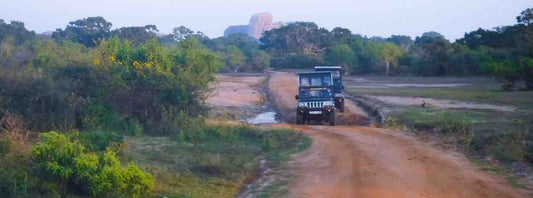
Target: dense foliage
(104,83)
(113,86)
(504,52)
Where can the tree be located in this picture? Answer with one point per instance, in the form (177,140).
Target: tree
(526,17)
(390,54)
(137,34)
(506,71)
(16,30)
(433,35)
(260,61)
(403,41)
(367,52)
(235,58)
(342,55)
(248,45)
(341,35)
(181,33)
(431,52)
(88,31)
(298,38)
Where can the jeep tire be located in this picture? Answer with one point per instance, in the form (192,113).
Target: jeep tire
(299,118)
(332,119)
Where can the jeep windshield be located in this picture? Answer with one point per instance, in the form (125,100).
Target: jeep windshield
(314,93)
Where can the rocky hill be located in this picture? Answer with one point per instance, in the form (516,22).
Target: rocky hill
(258,24)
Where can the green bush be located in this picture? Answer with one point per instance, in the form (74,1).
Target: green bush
(507,146)
(100,140)
(113,87)
(67,167)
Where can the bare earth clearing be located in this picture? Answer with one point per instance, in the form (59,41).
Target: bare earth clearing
(430,102)
(352,161)
(236,91)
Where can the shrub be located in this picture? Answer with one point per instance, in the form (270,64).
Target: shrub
(68,166)
(100,140)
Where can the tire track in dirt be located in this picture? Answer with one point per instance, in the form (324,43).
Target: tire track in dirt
(351,161)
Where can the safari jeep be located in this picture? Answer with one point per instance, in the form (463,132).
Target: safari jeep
(336,87)
(315,99)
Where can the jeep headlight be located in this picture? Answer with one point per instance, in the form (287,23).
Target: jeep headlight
(339,95)
(328,103)
(301,104)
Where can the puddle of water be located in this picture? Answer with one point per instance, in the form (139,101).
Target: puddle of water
(264,118)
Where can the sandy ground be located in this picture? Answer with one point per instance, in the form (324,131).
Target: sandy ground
(236,91)
(352,161)
(430,102)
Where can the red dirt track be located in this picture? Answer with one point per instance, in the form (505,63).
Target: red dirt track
(353,161)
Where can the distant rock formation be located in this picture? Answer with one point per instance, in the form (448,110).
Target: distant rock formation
(258,24)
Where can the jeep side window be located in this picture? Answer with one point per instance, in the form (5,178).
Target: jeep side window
(327,80)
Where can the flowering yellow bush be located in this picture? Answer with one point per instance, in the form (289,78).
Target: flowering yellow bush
(136,65)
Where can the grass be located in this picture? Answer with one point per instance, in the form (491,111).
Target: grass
(521,99)
(514,181)
(427,118)
(218,164)
(504,136)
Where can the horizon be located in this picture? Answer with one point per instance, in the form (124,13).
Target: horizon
(212,17)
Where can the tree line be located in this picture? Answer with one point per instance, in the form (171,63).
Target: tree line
(504,52)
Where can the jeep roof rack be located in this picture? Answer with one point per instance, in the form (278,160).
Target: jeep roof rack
(327,67)
(319,72)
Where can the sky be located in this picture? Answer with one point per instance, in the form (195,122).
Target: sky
(452,18)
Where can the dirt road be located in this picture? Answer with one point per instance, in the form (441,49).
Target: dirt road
(350,161)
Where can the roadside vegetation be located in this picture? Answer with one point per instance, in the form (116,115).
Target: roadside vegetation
(215,162)
(119,114)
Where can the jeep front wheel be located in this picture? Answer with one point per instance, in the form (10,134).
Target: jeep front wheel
(332,119)
(299,119)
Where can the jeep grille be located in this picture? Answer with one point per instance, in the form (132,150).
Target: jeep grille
(315,104)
